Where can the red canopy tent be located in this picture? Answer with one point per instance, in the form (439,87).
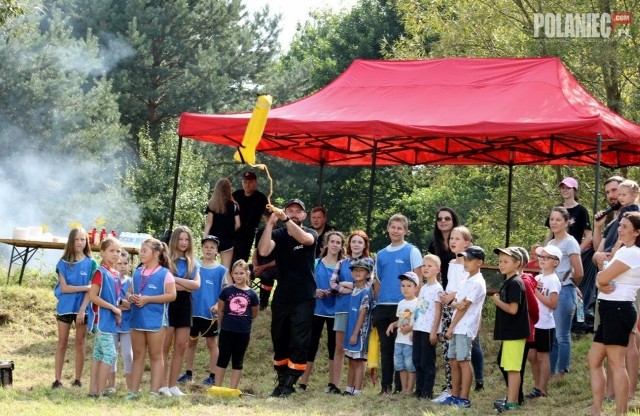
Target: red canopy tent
(506,111)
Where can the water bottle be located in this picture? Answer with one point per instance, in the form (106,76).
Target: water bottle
(580,311)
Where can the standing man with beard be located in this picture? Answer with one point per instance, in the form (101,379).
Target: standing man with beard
(603,242)
(252,203)
(294,299)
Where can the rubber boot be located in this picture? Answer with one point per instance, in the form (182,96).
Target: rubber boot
(281,381)
(288,388)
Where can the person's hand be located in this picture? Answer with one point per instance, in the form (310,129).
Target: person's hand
(139,300)
(460,305)
(606,289)
(390,329)
(353,339)
(601,221)
(433,338)
(320,293)
(579,292)
(496,298)
(277,213)
(80,318)
(448,334)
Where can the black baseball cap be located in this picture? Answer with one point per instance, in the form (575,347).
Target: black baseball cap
(249,175)
(210,238)
(295,201)
(473,252)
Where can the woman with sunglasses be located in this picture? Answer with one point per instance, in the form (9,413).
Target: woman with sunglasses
(445,221)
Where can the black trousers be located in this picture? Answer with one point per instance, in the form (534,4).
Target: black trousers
(424,360)
(383,315)
(316,333)
(291,325)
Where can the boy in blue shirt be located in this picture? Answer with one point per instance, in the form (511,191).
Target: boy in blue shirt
(205,304)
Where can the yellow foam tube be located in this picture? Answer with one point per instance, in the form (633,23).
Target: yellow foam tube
(373,353)
(255,128)
(223,392)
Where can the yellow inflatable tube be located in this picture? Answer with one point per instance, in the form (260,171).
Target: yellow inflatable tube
(373,354)
(223,392)
(253,133)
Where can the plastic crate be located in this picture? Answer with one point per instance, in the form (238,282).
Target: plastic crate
(6,373)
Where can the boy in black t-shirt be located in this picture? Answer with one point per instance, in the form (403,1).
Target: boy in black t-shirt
(511,326)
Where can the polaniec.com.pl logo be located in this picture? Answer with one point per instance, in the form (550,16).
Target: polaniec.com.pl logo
(581,25)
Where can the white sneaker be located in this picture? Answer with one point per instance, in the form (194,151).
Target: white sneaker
(111,390)
(175,391)
(442,397)
(165,391)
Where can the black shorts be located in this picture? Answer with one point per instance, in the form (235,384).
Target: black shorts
(543,340)
(71,318)
(226,244)
(203,327)
(180,310)
(617,319)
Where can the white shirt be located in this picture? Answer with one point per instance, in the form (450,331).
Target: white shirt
(426,308)
(550,284)
(405,311)
(627,283)
(474,289)
(568,246)
(455,276)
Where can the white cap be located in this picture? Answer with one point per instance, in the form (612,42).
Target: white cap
(550,250)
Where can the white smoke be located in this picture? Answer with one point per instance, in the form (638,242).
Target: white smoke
(38,188)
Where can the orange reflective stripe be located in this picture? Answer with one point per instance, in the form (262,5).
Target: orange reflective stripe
(294,366)
(281,362)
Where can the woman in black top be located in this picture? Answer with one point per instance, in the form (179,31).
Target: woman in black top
(222,219)
(445,221)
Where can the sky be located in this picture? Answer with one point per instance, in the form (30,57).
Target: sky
(294,11)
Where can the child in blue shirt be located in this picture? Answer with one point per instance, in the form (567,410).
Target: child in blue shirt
(105,295)
(205,309)
(356,340)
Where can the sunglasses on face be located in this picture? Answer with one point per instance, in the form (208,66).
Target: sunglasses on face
(547,258)
(441,219)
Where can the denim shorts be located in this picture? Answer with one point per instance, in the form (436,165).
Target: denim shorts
(460,348)
(403,357)
(340,322)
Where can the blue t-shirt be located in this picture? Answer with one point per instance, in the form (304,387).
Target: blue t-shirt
(391,262)
(237,309)
(325,306)
(211,279)
(78,273)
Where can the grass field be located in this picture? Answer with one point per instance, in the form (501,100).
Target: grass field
(28,337)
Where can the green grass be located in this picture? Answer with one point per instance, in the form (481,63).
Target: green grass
(28,337)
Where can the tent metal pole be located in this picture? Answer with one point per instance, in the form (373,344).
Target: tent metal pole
(509,192)
(371,183)
(175,184)
(597,181)
(320,183)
